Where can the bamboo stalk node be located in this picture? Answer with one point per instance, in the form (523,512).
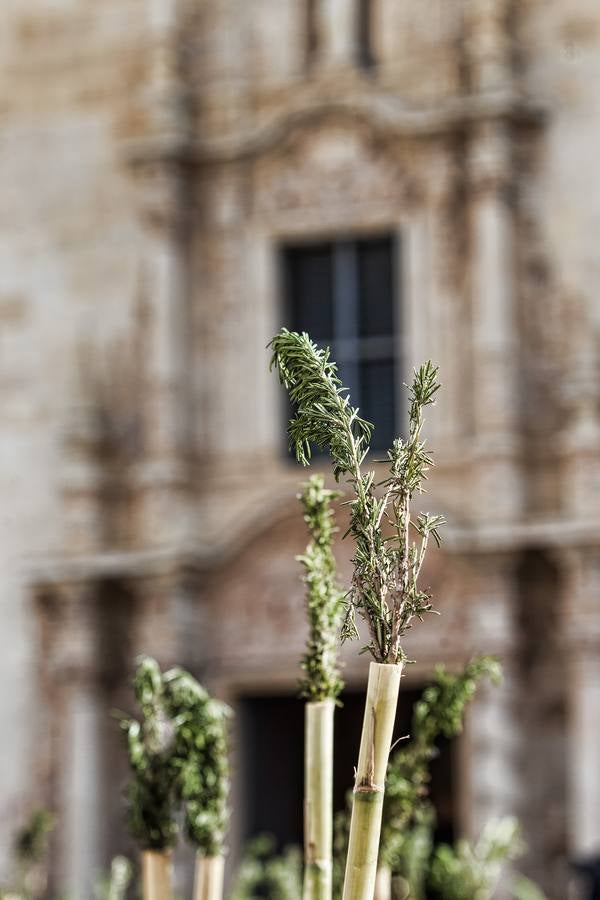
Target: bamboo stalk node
(368,787)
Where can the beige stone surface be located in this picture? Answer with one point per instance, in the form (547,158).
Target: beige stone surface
(153,156)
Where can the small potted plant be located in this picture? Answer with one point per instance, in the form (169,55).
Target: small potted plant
(150,794)
(201,766)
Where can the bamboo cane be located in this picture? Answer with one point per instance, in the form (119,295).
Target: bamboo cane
(367,803)
(156,875)
(318,799)
(208,878)
(383,883)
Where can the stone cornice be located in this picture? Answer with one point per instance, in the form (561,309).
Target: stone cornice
(497,539)
(383,113)
(550,533)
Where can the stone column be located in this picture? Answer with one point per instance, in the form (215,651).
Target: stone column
(492,273)
(582,637)
(491,763)
(337,33)
(79,765)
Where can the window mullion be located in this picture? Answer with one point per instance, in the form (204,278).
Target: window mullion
(346,315)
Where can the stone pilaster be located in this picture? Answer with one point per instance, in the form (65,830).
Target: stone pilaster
(580,441)
(488,44)
(492,272)
(160,478)
(160,168)
(442,317)
(222,76)
(491,760)
(495,363)
(168,622)
(82,477)
(582,640)
(336,33)
(74,666)
(166,97)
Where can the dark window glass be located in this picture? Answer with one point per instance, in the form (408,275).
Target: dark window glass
(272,730)
(376,287)
(377,398)
(342,294)
(312,38)
(310,280)
(365,49)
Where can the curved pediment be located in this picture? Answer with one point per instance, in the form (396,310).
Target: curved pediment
(387,116)
(333,162)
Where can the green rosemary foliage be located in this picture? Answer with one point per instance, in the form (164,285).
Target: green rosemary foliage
(31,842)
(324,597)
(200,759)
(150,745)
(471,872)
(384,589)
(438,712)
(263,874)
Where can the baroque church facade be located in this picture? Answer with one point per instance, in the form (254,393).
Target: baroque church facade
(406,181)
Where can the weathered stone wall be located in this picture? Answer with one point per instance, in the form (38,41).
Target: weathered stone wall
(153,155)
(66,285)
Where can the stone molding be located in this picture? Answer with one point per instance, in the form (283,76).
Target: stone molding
(384,113)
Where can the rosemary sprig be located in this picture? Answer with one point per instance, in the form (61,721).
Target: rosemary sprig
(324,597)
(384,590)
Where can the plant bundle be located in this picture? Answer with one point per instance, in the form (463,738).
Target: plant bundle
(201,764)
(408,814)
(320,686)
(150,794)
(390,547)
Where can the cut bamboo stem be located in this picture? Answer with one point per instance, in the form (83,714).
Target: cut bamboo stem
(318,799)
(208,879)
(367,801)
(383,883)
(156,875)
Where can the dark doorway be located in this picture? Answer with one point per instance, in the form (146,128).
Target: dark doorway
(273,728)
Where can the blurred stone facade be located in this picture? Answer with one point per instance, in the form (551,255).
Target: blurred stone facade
(153,156)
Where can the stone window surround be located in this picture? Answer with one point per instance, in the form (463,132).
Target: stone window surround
(410,233)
